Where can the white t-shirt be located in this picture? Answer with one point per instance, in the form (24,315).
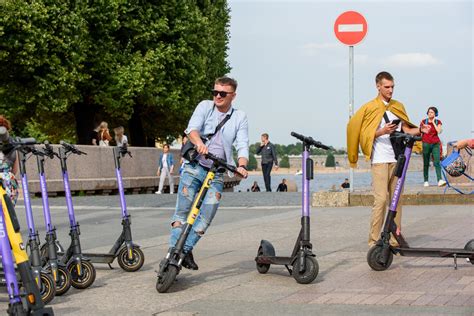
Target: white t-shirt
(382,152)
(164,161)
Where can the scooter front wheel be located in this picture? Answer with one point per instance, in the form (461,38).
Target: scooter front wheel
(64,281)
(470,246)
(131,265)
(373,259)
(310,273)
(262,268)
(48,289)
(88,275)
(165,280)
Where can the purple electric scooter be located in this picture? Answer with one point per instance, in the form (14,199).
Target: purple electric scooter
(28,300)
(49,251)
(82,271)
(304,265)
(129,255)
(380,256)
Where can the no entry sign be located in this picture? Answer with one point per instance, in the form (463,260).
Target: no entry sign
(350,28)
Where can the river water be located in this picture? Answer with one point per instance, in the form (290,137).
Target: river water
(325,181)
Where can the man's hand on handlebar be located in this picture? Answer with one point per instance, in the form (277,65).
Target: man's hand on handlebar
(202,149)
(242,172)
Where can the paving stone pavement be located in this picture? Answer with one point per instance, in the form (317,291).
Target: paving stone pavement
(228,283)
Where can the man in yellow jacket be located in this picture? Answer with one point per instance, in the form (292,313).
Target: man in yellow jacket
(369,129)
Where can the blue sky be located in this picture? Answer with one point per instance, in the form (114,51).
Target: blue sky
(293,73)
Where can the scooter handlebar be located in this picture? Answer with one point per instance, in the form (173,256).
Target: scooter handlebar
(406,136)
(310,141)
(221,162)
(71,148)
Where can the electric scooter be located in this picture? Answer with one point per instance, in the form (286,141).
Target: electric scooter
(172,263)
(82,271)
(27,300)
(380,256)
(129,255)
(43,278)
(305,267)
(49,251)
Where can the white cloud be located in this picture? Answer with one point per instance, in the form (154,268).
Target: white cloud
(411,60)
(312,49)
(361,59)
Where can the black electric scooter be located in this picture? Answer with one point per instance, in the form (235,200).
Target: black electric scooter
(380,256)
(304,265)
(129,255)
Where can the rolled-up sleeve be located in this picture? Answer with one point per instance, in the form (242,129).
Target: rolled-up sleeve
(197,119)
(241,142)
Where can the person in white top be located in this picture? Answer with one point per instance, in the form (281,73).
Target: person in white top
(120,137)
(165,169)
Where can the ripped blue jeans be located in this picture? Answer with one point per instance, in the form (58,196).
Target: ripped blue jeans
(189,185)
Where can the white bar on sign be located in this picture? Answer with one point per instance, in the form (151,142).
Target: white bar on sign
(350,28)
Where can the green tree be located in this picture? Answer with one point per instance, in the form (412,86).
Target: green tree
(141,64)
(284,162)
(330,160)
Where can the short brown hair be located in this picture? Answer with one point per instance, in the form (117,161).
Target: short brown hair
(5,122)
(166,145)
(383,75)
(226,81)
(265,135)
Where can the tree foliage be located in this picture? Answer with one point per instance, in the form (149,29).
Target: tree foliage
(65,66)
(285,162)
(330,160)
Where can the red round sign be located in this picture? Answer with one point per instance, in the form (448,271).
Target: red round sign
(350,28)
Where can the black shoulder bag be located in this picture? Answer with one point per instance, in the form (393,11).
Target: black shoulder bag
(397,142)
(188,151)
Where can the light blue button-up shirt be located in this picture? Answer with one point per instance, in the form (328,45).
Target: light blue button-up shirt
(235,131)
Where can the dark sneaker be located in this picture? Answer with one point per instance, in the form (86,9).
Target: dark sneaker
(188,262)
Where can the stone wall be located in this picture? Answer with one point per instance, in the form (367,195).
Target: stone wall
(95,172)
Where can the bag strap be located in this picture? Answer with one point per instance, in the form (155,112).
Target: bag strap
(219,126)
(385,117)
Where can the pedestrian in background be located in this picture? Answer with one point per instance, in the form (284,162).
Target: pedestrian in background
(120,137)
(255,187)
(104,134)
(8,165)
(432,145)
(282,187)
(269,157)
(165,169)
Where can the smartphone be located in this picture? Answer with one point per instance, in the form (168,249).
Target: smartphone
(396,122)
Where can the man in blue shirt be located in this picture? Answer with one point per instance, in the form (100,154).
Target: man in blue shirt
(206,117)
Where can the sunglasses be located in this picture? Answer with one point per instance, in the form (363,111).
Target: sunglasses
(223,94)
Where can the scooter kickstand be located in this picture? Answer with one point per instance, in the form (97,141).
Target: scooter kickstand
(110,266)
(289,270)
(455,262)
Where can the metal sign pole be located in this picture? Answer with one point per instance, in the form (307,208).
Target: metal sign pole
(351,105)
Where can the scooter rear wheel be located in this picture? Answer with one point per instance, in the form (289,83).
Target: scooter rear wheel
(165,281)
(88,275)
(48,289)
(64,281)
(470,246)
(373,259)
(262,267)
(138,258)
(311,272)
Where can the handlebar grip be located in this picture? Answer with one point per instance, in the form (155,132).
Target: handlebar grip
(310,141)
(27,141)
(4,136)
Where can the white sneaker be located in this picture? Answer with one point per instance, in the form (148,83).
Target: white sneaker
(426,184)
(158,192)
(441,183)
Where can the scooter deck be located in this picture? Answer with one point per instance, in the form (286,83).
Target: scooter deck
(274,260)
(435,252)
(100,257)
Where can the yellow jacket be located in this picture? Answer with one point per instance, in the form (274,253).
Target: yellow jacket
(363,125)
